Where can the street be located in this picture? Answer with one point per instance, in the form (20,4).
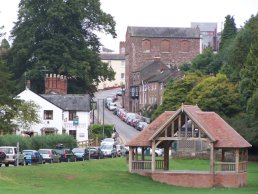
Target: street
(126,132)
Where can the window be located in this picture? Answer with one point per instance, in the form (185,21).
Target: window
(185,46)
(72,133)
(146,45)
(164,46)
(122,75)
(48,114)
(72,115)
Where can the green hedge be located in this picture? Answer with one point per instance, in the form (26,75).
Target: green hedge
(37,142)
(96,131)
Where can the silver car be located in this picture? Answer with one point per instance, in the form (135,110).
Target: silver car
(50,155)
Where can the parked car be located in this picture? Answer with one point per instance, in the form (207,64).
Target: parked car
(66,155)
(108,141)
(108,100)
(10,155)
(95,152)
(121,150)
(50,155)
(158,151)
(111,106)
(80,153)
(134,122)
(109,150)
(119,92)
(141,125)
(33,157)
(129,115)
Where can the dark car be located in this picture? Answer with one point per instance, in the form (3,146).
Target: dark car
(95,152)
(80,153)
(33,157)
(66,155)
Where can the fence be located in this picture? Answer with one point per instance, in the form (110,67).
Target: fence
(146,165)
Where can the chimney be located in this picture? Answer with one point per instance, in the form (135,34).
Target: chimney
(55,84)
(28,84)
(122,47)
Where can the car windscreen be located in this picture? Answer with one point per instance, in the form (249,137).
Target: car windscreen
(78,150)
(7,150)
(107,147)
(44,151)
(27,152)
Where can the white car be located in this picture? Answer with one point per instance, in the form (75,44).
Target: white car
(158,151)
(112,106)
(108,141)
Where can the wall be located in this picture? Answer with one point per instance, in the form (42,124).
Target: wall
(199,179)
(135,57)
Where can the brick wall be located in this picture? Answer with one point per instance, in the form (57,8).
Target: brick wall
(199,179)
(181,50)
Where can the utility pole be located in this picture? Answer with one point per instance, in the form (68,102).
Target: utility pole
(103,118)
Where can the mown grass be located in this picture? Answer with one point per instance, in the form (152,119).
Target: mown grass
(108,176)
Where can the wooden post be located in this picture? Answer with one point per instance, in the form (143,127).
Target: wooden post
(143,149)
(173,129)
(130,162)
(166,158)
(153,162)
(179,126)
(211,158)
(186,126)
(136,153)
(237,160)
(222,155)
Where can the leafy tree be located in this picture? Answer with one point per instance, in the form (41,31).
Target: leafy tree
(248,74)
(207,62)
(229,32)
(59,36)
(216,94)
(176,92)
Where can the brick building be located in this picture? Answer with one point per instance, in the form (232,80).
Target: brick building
(209,34)
(173,46)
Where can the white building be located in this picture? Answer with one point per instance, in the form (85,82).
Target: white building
(117,63)
(59,113)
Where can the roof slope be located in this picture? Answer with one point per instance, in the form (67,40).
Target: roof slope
(142,139)
(164,32)
(225,136)
(70,101)
(218,130)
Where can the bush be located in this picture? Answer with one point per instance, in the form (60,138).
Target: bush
(37,142)
(96,131)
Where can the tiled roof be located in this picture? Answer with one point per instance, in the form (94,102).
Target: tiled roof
(164,32)
(112,56)
(70,101)
(143,138)
(225,136)
(220,132)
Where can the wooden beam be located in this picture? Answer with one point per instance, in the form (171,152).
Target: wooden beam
(173,129)
(237,160)
(192,129)
(182,138)
(166,131)
(153,162)
(179,126)
(212,157)
(186,126)
(130,161)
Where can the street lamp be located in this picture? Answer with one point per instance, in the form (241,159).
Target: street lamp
(93,107)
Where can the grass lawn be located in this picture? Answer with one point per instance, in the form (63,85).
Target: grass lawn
(108,176)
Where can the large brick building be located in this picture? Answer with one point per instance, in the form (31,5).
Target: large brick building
(173,46)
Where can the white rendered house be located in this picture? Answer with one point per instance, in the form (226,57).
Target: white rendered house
(59,113)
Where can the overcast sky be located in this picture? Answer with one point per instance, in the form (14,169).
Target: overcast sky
(160,13)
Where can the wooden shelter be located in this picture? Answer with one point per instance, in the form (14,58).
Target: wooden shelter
(228,151)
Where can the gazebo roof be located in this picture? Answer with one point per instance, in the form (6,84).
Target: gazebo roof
(219,131)
(142,139)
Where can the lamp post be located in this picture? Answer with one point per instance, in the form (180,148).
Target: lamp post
(93,107)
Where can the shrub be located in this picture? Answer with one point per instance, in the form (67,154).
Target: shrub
(96,131)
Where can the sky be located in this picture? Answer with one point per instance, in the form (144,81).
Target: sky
(154,13)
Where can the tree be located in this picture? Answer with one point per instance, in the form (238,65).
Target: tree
(207,62)
(248,74)
(176,92)
(216,94)
(60,36)
(229,32)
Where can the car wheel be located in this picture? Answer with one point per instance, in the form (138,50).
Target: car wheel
(6,165)
(51,161)
(156,154)
(0,165)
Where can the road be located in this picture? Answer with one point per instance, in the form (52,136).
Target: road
(126,132)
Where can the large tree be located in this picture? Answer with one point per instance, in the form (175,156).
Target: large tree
(59,36)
